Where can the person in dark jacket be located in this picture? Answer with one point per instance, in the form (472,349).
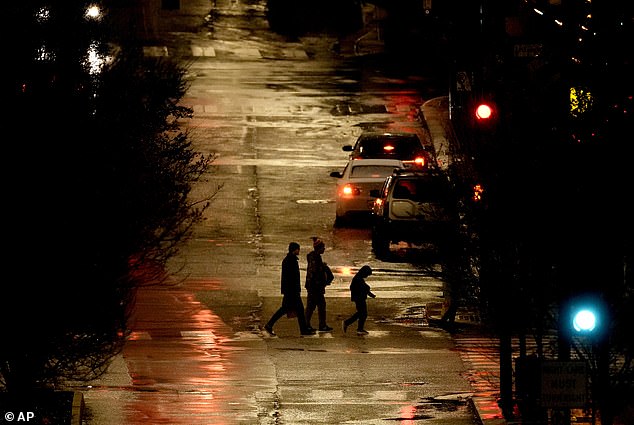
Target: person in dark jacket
(359,292)
(291,291)
(316,282)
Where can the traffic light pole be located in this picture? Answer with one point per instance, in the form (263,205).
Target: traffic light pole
(561,416)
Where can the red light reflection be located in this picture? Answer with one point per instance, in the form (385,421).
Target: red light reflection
(408,415)
(180,358)
(346,271)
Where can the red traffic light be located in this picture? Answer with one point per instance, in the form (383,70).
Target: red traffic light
(483,111)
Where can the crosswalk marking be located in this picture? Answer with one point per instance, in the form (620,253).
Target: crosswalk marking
(294,53)
(389,395)
(207,51)
(247,52)
(212,52)
(198,333)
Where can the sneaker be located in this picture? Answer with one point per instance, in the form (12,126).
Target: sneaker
(325,329)
(269,329)
(309,332)
(344,326)
(362,332)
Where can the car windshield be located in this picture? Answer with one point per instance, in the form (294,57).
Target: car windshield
(421,190)
(368,171)
(383,146)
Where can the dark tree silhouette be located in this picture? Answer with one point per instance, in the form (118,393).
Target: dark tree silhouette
(553,222)
(99,192)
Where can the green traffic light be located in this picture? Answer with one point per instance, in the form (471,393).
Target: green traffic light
(584,321)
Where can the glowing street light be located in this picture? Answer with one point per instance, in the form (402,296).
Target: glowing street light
(93,12)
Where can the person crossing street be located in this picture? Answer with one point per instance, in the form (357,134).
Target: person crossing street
(291,290)
(316,282)
(359,292)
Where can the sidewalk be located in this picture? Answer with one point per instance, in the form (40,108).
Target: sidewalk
(480,353)
(481,357)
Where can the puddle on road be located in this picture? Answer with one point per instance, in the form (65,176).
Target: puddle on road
(433,408)
(412,316)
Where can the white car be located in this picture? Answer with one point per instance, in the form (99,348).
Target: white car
(401,145)
(355,182)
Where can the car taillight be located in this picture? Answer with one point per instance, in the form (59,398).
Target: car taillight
(378,202)
(420,161)
(388,148)
(350,190)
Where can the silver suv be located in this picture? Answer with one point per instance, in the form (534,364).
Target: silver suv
(413,206)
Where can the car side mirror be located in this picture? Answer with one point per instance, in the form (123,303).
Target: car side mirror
(336,174)
(347,148)
(375,193)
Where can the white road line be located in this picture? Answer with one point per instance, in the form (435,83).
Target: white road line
(248,52)
(207,51)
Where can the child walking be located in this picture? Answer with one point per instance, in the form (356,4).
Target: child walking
(359,292)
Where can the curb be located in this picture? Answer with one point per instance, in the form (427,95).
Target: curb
(480,413)
(77,408)
(435,113)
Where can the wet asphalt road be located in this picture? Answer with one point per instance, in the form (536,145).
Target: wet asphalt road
(276,113)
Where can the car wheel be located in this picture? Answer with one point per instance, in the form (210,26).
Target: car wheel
(380,244)
(339,221)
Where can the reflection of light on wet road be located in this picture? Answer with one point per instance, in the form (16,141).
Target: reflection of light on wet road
(181,362)
(346,271)
(314,201)
(293,162)
(408,413)
(322,395)
(390,395)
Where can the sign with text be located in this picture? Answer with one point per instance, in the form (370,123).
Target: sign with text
(564,383)
(527,50)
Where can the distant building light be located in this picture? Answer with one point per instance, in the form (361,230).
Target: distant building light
(93,12)
(44,54)
(42,15)
(477,192)
(580,101)
(94,60)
